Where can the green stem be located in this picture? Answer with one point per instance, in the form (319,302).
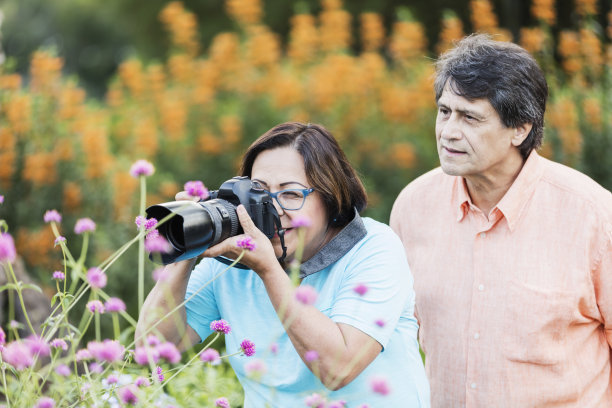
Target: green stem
(6,393)
(141,249)
(19,294)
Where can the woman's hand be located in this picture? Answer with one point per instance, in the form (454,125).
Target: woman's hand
(261,259)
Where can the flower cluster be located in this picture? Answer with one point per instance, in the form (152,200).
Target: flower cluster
(247,347)
(246,243)
(220,326)
(196,189)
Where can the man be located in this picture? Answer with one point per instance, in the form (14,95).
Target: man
(511,253)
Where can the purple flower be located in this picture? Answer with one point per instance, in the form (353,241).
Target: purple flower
(7,248)
(337,404)
(220,326)
(59,275)
(157,244)
(52,216)
(148,224)
(360,289)
(222,403)
(311,355)
(210,356)
(95,306)
(2,336)
(274,348)
(95,368)
(315,401)
(112,379)
(59,240)
(169,352)
(379,385)
(306,294)
(142,382)
(83,354)
(255,368)
(246,243)
(153,340)
(45,402)
(141,168)
(83,225)
(114,305)
(301,222)
(142,355)
(59,343)
(380,322)
(96,277)
(248,347)
(196,189)
(159,373)
(110,351)
(62,370)
(38,346)
(127,394)
(1,199)
(18,355)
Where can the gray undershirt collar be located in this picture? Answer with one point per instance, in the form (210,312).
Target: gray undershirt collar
(336,248)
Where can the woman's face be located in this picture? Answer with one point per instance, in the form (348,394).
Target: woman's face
(280,169)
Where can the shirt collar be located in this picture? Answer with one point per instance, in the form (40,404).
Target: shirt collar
(513,202)
(336,248)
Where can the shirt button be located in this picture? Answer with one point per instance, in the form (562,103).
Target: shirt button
(476,336)
(483,234)
(481,287)
(473,385)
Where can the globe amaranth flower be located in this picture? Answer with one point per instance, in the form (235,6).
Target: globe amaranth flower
(159,373)
(148,224)
(141,168)
(246,243)
(110,351)
(169,352)
(2,336)
(220,326)
(1,199)
(142,355)
(84,225)
(96,278)
(306,294)
(37,346)
(315,401)
(380,385)
(247,347)
(59,240)
(95,368)
(7,248)
(112,379)
(360,289)
(45,402)
(62,370)
(59,275)
(127,394)
(311,355)
(337,404)
(52,216)
(114,305)
(95,306)
(82,354)
(255,368)
(18,355)
(196,189)
(153,340)
(157,244)
(59,343)
(142,382)
(211,356)
(222,403)
(380,322)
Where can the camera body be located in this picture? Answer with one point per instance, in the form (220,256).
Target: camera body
(193,227)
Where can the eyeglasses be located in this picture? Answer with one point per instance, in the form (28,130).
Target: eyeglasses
(291,199)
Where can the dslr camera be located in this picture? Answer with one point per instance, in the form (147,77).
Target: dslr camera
(196,226)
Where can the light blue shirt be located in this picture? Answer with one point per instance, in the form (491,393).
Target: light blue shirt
(374,258)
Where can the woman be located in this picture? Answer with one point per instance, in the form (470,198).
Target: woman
(357,266)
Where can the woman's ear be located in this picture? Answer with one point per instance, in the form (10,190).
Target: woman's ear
(520,134)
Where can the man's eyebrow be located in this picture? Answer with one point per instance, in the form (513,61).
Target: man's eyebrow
(464,112)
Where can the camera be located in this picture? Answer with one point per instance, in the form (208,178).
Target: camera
(196,226)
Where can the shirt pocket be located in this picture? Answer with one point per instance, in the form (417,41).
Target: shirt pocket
(536,321)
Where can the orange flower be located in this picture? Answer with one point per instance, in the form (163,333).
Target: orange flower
(114,96)
(71,100)
(593,112)
(231,129)
(130,73)
(544,10)
(263,47)
(124,190)
(156,80)
(36,247)
(8,155)
(532,39)
(18,112)
(244,11)
(10,82)
(45,71)
(182,25)
(564,119)
(335,28)
(303,38)
(408,41)
(94,142)
(206,79)
(71,197)
(591,50)
(168,189)
(174,115)
(452,31)
(586,7)
(145,137)
(403,155)
(287,91)
(210,144)
(372,31)
(569,48)
(39,168)
(482,16)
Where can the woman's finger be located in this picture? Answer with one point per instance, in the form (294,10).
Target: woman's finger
(246,222)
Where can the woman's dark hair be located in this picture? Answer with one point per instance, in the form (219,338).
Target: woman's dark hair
(502,72)
(327,168)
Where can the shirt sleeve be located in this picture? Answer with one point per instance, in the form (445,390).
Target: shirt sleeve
(201,306)
(602,277)
(379,266)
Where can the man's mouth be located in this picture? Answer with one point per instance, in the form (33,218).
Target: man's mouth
(453,151)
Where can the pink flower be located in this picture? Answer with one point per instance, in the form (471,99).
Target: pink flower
(84,225)
(159,373)
(380,322)
(222,403)
(59,343)
(127,394)
(96,277)
(141,168)
(62,370)
(248,347)
(114,305)
(95,306)
(18,355)
(220,326)
(59,240)
(95,368)
(59,275)
(148,224)
(142,355)
(1,199)
(360,289)
(142,382)
(2,336)
(112,379)
(153,340)
(169,352)
(196,189)
(273,348)
(301,222)
(337,404)
(38,346)
(311,356)
(210,356)
(255,368)
(306,294)
(315,401)
(52,216)
(45,402)
(110,351)
(246,243)
(7,248)
(83,354)
(159,274)
(157,244)
(379,385)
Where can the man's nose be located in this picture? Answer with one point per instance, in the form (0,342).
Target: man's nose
(450,128)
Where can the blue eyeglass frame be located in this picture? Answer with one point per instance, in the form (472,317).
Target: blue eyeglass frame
(305,191)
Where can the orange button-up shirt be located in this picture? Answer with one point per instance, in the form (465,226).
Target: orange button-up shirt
(515,310)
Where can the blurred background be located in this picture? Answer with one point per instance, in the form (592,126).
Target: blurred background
(88,87)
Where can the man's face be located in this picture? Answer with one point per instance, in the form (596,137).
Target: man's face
(472,140)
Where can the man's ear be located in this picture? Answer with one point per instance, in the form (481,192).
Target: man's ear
(520,133)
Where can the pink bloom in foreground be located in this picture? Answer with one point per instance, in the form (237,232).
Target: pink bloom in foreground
(255,368)
(315,401)
(95,306)
(108,350)
(18,355)
(112,379)
(62,370)
(114,305)
(301,222)
(59,343)
(7,248)
(2,336)
(153,340)
(96,278)
(45,402)
(141,168)
(306,294)
(380,322)
(222,403)
(248,347)
(59,240)
(169,352)
(311,356)
(273,348)
(84,225)
(1,199)
(38,346)
(59,275)
(210,356)
(379,385)
(196,189)
(360,289)
(82,354)
(159,372)
(142,382)
(142,355)
(95,368)
(127,394)
(220,326)
(337,404)
(246,243)
(157,244)
(52,216)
